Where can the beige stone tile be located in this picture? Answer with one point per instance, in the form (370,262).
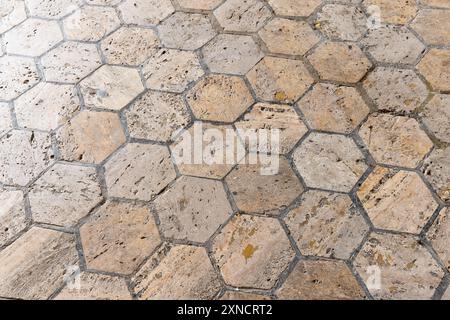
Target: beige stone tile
(103,2)
(433,25)
(199,4)
(446,295)
(238,295)
(436,3)
(436,169)
(18,75)
(13,13)
(395,12)
(434,67)
(5,118)
(145,12)
(13,218)
(294,7)
(52,9)
(439,236)
(436,116)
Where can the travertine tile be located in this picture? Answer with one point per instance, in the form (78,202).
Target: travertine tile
(434,67)
(433,25)
(395,12)
(436,3)
(145,12)
(199,4)
(238,295)
(294,7)
(5,118)
(436,169)
(13,13)
(13,218)
(242,16)
(439,236)
(103,2)
(436,116)
(17,75)
(52,9)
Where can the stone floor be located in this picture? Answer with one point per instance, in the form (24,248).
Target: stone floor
(92,205)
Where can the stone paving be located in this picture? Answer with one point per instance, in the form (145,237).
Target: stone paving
(94,95)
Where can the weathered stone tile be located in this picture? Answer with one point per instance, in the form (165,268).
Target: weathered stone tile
(70,62)
(439,236)
(321,280)
(118,237)
(233,54)
(242,16)
(252,252)
(446,295)
(395,12)
(13,12)
(395,140)
(433,25)
(219,98)
(436,169)
(280,80)
(139,171)
(327,225)
(111,87)
(199,4)
(294,7)
(64,194)
(46,106)
(145,12)
(17,75)
(12,214)
(333,108)
(192,209)
(331,162)
(436,3)
(55,9)
(90,137)
(436,116)
(238,295)
(34,266)
(5,118)
(103,2)
(407,269)
(157,116)
(24,155)
(434,67)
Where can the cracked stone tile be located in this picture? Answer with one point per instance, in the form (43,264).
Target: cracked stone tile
(433,25)
(199,4)
(337,61)
(185,212)
(321,280)
(172,70)
(157,116)
(70,62)
(294,7)
(434,67)
(436,3)
(130,45)
(436,116)
(237,295)
(139,171)
(326,225)
(64,194)
(439,236)
(37,257)
(393,44)
(145,12)
(279,79)
(90,137)
(96,287)
(12,13)
(111,87)
(188,31)
(395,140)
(5,118)
(52,9)
(397,200)
(177,272)
(264,116)
(287,36)
(118,237)
(394,89)
(335,108)
(252,251)
(407,269)
(16,76)
(46,106)
(219,98)
(329,161)
(13,218)
(32,153)
(90,23)
(436,169)
(393,12)
(242,16)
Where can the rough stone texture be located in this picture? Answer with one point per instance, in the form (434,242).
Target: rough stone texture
(446,295)
(145,12)
(252,252)
(433,25)
(242,16)
(395,12)
(436,116)
(16,76)
(52,9)
(439,236)
(294,7)
(12,214)
(436,3)
(238,295)
(118,237)
(434,67)
(199,4)
(436,169)
(13,13)
(5,118)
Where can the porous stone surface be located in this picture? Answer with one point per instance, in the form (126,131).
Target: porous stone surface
(52,9)
(239,295)
(242,16)
(434,67)
(13,218)
(13,13)
(394,12)
(199,4)
(436,116)
(436,169)
(294,7)
(433,25)
(17,75)
(439,235)
(5,118)
(145,12)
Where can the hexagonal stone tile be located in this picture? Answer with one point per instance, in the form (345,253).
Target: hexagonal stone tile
(294,7)
(251,188)
(90,137)
(90,23)
(331,162)
(111,87)
(393,44)
(18,75)
(407,269)
(24,155)
(129,45)
(397,200)
(242,16)
(178,272)
(335,108)
(157,116)
(287,36)
(13,12)
(64,194)
(395,140)
(95,286)
(13,218)
(439,235)
(172,70)
(433,25)
(436,116)
(145,12)
(188,31)
(39,256)
(436,3)
(337,61)
(240,295)
(46,106)
(436,169)
(252,252)
(70,62)
(327,225)
(321,280)
(118,237)
(394,12)
(52,9)
(279,79)
(394,89)
(5,118)
(192,209)
(199,4)
(139,171)
(434,67)
(219,98)
(264,116)
(233,54)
